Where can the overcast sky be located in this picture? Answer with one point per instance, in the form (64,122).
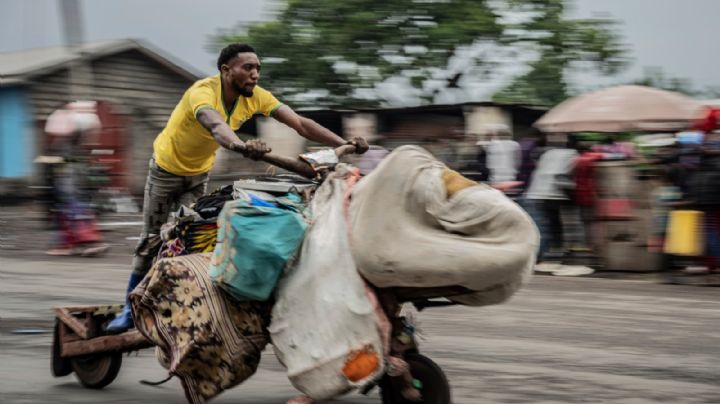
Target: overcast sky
(680,36)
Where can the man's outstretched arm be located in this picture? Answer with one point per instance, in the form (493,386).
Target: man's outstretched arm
(307,128)
(312,130)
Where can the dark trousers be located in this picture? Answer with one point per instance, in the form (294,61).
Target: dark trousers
(587,217)
(552,211)
(712,237)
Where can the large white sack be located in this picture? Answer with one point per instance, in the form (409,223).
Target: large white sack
(405,231)
(323,313)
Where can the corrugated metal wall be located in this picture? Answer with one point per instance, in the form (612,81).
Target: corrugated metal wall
(145,91)
(136,86)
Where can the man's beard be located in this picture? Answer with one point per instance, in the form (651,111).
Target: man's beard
(243,91)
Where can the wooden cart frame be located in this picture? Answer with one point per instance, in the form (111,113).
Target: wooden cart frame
(81,345)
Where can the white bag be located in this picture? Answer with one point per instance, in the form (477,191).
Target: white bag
(323,314)
(407,233)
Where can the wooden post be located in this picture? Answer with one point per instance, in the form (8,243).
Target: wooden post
(64,315)
(128,341)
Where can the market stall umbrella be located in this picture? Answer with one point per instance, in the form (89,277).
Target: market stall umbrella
(623,109)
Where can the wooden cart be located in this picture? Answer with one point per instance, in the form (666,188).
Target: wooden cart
(81,345)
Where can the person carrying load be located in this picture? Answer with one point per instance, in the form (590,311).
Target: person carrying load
(206,118)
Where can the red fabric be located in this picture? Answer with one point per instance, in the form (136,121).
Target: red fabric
(616,208)
(78,231)
(710,122)
(585,186)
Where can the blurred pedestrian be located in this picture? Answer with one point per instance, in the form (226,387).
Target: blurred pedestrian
(76,231)
(531,148)
(703,193)
(663,198)
(586,190)
(476,167)
(551,187)
(688,157)
(503,155)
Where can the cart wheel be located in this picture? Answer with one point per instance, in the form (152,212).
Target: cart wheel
(97,371)
(60,366)
(428,378)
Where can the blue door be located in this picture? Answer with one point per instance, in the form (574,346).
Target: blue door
(16,143)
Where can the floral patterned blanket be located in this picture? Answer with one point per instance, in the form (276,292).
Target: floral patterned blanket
(206,339)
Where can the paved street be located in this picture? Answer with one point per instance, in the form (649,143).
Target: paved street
(560,340)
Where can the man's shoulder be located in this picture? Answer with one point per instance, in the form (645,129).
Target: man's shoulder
(210,82)
(259,92)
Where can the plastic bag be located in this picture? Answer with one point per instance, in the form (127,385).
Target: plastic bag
(254,244)
(323,328)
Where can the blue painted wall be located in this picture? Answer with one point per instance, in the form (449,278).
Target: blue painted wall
(16,143)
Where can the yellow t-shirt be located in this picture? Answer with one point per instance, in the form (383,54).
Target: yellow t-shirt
(185,147)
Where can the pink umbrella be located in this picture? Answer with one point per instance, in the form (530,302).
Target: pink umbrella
(623,109)
(74,116)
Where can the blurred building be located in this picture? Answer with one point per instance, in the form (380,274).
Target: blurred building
(448,131)
(137,86)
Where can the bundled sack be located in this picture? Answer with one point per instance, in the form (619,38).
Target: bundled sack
(187,233)
(210,342)
(408,230)
(199,236)
(324,329)
(254,243)
(198,231)
(209,206)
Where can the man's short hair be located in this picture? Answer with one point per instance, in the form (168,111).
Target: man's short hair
(231,50)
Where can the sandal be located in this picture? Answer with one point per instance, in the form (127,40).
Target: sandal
(95,250)
(60,251)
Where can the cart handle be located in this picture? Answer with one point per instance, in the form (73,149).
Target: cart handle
(297,165)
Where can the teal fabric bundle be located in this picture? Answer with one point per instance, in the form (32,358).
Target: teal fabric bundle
(254,244)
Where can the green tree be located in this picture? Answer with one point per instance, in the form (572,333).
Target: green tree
(563,44)
(333,53)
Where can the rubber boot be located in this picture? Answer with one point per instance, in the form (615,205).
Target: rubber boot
(124,320)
